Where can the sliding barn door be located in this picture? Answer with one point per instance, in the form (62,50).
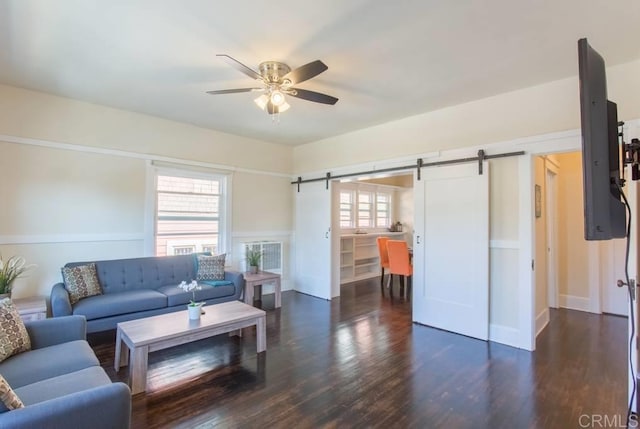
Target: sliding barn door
(313,240)
(451,249)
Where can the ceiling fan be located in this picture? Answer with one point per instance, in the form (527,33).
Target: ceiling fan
(277,80)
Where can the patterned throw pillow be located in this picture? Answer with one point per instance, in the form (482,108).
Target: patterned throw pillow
(14,338)
(81,282)
(211,267)
(8,396)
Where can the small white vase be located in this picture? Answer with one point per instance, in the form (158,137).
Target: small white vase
(194,311)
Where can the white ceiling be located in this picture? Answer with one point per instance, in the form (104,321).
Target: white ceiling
(387,59)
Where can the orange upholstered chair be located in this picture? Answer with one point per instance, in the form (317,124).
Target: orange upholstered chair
(384,259)
(400,264)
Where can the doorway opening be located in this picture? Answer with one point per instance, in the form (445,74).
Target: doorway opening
(570,272)
(364,209)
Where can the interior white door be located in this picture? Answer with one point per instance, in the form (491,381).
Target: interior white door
(313,266)
(451,249)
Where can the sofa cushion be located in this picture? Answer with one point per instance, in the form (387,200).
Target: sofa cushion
(210,267)
(81,281)
(111,304)
(9,398)
(40,364)
(61,385)
(14,338)
(177,296)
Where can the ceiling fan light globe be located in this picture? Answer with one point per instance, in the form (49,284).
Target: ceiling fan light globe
(262,101)
(283,107)
(277,98)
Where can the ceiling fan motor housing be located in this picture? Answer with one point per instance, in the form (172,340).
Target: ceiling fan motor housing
(273,71)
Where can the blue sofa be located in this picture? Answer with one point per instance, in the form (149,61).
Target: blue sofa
(141,287)
(61,383)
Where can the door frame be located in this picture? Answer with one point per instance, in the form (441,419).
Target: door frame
(551,211)
(569,141)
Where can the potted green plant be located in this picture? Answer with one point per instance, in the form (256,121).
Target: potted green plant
(253,259)
(10,270)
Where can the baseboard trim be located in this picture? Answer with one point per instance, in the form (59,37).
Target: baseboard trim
(504,335)
(575,303)
(542,321)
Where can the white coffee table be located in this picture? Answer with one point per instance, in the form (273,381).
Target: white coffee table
(154,333)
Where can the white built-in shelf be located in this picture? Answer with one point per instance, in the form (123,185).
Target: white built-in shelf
(359,257)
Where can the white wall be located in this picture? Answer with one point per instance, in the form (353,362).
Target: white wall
(64,202)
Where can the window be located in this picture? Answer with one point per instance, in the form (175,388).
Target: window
(383,209)
(211,248)
(183,250)
(346,209)
(188,214)
(365,208)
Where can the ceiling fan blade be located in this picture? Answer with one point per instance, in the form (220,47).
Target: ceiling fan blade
(313,96)
(240,67)
(305,72)
(233,91)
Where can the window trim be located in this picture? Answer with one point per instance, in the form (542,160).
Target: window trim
(224,227)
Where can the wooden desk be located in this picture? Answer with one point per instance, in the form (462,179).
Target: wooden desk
(262,277)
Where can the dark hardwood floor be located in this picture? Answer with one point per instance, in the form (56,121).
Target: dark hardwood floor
(358,361)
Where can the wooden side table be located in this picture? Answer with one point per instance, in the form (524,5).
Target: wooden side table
(262,277)
(32,308)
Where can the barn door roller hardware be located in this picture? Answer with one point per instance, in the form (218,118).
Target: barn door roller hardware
(480,158)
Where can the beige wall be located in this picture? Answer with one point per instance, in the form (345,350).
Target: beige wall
(64,203)
(38,115)
(536,110)
(503,235)
(574,256)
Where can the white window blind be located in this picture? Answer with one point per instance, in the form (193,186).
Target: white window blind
(383,209)
(347,204)
(365,209)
